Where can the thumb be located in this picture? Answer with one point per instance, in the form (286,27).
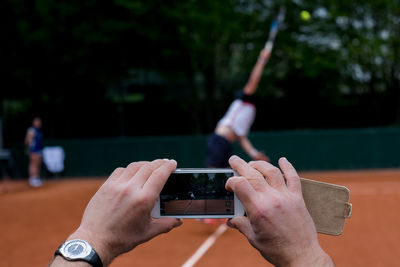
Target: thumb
(164,225)
(241,223)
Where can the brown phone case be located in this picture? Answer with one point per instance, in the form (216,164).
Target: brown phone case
(328,205)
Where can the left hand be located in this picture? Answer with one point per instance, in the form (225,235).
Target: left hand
(117,218)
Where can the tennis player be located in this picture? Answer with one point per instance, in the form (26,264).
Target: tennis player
(235,124)
(34,143)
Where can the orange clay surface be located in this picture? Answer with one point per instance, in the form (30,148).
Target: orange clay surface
(33,222)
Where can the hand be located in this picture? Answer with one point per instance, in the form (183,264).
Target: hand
(117,218)
(277,223)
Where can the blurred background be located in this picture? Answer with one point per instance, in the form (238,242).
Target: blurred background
(122,80)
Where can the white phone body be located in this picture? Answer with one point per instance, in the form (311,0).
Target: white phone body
(198,194)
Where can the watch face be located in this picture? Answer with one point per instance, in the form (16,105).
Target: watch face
(76,249)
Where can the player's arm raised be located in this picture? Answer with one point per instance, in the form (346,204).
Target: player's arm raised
(255,76)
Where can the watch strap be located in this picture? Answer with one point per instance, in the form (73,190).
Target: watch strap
(95,260)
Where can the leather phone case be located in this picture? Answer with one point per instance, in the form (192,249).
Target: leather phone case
(328,205)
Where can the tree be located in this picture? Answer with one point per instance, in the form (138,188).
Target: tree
(92,64)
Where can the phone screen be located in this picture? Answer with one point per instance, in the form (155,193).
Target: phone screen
(197,194)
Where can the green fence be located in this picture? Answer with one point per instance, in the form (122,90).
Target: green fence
(307,150)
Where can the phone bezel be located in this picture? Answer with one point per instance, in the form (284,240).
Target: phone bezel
(238,211)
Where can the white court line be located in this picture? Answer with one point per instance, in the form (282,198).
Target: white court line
(205,246)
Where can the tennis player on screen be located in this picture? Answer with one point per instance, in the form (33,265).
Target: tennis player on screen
(235,124)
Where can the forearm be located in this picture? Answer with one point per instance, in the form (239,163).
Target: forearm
(255,76)
(28,140)
(316,258)
(247,146)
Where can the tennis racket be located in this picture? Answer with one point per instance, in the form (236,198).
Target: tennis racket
(275,25)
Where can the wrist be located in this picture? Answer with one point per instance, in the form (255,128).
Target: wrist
(100,247)
(60,261)
(316,258)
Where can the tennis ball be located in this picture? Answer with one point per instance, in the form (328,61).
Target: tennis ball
(305,15)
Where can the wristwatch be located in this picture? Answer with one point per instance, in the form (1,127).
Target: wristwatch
(79,250)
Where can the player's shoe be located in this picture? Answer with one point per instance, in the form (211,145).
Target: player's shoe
(35,182)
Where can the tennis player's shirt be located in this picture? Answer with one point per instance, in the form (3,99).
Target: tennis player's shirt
(37,141)
(240,116)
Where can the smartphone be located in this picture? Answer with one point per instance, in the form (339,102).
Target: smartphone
(198,193)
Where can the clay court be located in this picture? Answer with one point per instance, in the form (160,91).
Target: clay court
(35,221)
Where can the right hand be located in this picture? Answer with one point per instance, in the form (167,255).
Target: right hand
(278,224)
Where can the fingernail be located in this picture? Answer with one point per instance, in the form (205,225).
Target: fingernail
(234,157)
(230,224)
(283,158)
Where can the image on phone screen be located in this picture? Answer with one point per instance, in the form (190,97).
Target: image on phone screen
(197,194)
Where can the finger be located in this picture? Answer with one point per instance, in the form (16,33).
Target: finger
(243,225)
(292,178)
(255,178)
(163,225)
(116,173)
(271,173)
(144,172)
(131,170)
(243,190)
(159,177)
